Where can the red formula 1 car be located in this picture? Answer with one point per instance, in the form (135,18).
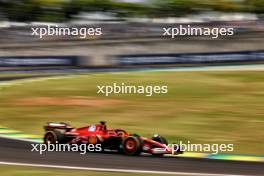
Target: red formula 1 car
(117,140)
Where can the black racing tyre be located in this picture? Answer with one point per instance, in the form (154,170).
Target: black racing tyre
(54,137)
(131,145)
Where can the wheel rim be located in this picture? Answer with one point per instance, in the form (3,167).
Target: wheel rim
(49,139)
(130,145)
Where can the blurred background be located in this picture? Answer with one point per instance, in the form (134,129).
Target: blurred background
(216,106)
(124,18)
(128,27)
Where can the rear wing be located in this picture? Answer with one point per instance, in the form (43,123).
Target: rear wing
(57,125)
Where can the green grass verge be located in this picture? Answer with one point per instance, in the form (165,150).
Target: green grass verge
(35,171)
(203,107)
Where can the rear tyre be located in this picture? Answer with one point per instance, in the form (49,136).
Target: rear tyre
(53,137)
(131,145)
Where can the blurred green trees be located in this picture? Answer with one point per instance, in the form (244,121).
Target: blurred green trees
(60,10)
(256,6)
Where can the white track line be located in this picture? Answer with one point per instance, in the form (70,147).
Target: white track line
(113,170)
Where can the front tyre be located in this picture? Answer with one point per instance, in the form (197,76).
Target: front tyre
(131,145)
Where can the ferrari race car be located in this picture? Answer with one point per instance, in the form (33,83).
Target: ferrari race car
(117,139)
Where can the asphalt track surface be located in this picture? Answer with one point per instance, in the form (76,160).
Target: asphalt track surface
(20,152)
